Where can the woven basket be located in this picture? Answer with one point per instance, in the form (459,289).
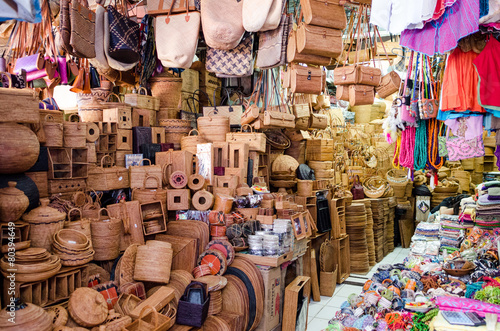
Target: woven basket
(91,112)
(167,88)
(175,129)
(213,128)
(75,133)
(399,189)
(190,142)
(82,225)
(153,262)
(106,237)
(362,114)
(53,132)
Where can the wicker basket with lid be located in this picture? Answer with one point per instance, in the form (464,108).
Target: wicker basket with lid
(87,307)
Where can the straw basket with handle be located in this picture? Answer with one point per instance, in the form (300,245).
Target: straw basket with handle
(155,193)
(151,320)
(140,174)
(190,142)
(75,133)
(106,236)
(213,129)
(53,132)
(107,178)
(82,225)
(175,129)
(256,140)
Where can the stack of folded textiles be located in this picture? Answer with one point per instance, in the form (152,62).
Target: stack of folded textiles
(467,217)
(451,233)
(488,208)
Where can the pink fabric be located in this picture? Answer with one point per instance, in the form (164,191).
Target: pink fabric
(469,127)
(464,304)
(442,35)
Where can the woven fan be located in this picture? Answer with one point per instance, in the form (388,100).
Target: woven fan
(326,256)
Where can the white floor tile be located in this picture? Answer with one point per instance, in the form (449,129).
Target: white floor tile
(348,289)
(323,302)
(327,312)
(336,301)
(337,288)
(314,310)
(317,324)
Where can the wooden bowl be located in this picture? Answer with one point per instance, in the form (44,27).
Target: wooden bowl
(72,239)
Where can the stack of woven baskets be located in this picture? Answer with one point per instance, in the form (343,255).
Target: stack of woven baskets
(73,247)
(31,265)
(398,180)
(355,218)
(175,130)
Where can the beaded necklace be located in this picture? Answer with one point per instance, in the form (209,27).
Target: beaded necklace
(420,152)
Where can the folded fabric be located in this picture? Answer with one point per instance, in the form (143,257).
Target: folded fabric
(493,183)
(485,200)
(464,304)
(494,192)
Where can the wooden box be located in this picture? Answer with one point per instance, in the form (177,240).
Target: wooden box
(342,258)
(122,116)
(185,251)
(64,283)
(66,185)
(143,117)
(107,128)
(59,163)
(130,211)
(35,292)
(238,155)
(79,163)
(158,135)
(153,218)
(41,180)
(178,199)
(299,290)
(237,172)
(124,140)
(268,260)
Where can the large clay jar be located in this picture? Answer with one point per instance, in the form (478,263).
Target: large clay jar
(13,203)
(19,148)
(44,222)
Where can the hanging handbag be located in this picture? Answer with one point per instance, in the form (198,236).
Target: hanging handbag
(192,115)
(107,178)
(254,13)
(123,37)
(177,38)
(318,121)
(327,13)
(82,30)
(279,115)
(274,18)
(361,95)
(236,62)
(252,110)
(306,79)
(430,103)
(318,40)
(256,140)
(114,64)
(234,112)
(158,7)
(100,62)
(222,23)
(442,150)
(293,55)
(270,53)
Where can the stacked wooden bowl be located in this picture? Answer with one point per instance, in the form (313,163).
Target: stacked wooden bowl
(31,265)
(377,207)
(355,218)
(391,214)
(73,247)
(369,231)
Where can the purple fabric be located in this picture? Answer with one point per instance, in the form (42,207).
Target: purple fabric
(497,154)
(464,304)
(442,35)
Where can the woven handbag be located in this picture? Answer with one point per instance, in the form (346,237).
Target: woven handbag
(124,37)
(82,30)
(236,62)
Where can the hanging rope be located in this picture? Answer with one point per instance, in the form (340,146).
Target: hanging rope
(397,149)
(420,154)
(407,148)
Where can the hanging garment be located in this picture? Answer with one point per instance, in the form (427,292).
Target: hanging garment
(395,16)
(493,14)
(488,69)
(468,127)
(442,35)
(459,89)
(441,6)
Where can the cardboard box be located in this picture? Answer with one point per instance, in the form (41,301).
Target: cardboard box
(272,299)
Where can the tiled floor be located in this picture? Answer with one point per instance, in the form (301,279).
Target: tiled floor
(321,312)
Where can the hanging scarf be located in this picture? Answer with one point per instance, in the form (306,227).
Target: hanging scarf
(147,49)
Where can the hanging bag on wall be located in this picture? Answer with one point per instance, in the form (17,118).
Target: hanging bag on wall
(82,30)
(254,13)
(158,7)
(222,23)
(460,148)
(442,150)
(252,109)
(309,80)
(274,16)
(177,37)
(430,101)
(271,52)
(123,36)
(236,62)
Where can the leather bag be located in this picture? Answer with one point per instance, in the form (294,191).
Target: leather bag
(222,23)
(235,62)
(123,37)
(177,38)
(357,190)
(82,38)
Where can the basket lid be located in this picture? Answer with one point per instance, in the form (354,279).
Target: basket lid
(28,317)
(11,190)
(44,214)
(88,305)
